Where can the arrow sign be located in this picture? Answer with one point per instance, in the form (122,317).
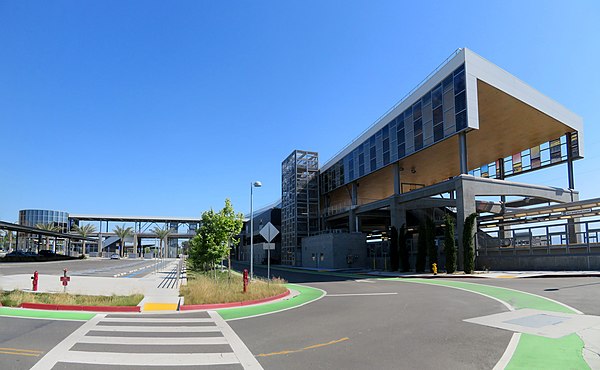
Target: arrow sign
(269,232)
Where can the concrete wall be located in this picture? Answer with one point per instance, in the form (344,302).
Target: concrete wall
(539,263)
(333,250)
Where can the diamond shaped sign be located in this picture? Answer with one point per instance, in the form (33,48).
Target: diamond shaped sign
(269,232)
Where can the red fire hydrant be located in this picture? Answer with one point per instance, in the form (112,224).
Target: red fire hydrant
(245,280)
(34,281)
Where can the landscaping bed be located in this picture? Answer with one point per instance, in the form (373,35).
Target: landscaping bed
(17,298)
(205,288)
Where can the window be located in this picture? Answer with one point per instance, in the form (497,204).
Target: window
(436,97)
(418,127)
(460,102)
(461,120)
(459,81)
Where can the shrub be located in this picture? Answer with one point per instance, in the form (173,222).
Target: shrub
(468,241)
(449,244)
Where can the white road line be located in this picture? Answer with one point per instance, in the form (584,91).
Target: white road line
(246,358)
(150,359)
(153,340)
(56,354)
(142,320)
(508,354)
(158,329)
(365,281)
(358,294)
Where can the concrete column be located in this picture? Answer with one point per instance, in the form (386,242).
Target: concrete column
(397,180)
(352,219)
(462,152)
(397,214)
(465,205)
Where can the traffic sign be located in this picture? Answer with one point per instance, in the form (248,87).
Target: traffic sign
(269,246)
(269,232)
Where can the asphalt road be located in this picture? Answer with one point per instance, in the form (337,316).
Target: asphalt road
(90,267)
(359,324)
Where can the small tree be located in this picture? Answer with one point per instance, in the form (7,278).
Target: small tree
(212,242)
(432,251)
(162,235)
(84,231)
(403,250)
(421,248)
(468,244)
(449,244)
(394,260)
(47,227)
(123,232)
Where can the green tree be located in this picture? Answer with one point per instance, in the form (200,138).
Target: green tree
(394,259)
(403,250)
(162,235)
(47,227)
(432,251)
(449,244)
(421,248)
(84,231)
(123,232)
(468,244)
(213,240)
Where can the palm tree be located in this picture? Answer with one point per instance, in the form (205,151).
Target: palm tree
(84,231)
(123,232)
(162,235)
(47,227)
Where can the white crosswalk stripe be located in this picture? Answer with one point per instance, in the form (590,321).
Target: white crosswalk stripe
(200,339)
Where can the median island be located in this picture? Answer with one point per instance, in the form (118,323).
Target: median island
(16,298)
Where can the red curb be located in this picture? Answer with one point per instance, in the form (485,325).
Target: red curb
(64,307)
(210,306)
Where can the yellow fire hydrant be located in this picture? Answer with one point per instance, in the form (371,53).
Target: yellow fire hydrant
(434,268)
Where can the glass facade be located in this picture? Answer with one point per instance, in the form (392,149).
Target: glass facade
(32,217)
(299,203)
(438,114)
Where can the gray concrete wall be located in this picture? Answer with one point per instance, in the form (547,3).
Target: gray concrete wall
(538,263)
(333,250)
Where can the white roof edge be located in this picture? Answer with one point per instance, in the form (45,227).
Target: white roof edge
(449,65)
(486,71)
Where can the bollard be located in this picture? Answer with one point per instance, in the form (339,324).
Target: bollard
(434,268)
(34,281)
(245,280)
(65,279)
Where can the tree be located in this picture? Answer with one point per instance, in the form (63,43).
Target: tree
(394,249)
(84,231)
(123,232)
(162,235)
(449,244)
(468,241)
(213,239)
(421,248)
(48,227)
(432,251)
(403,250)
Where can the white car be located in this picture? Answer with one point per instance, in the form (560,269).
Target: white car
(115,256)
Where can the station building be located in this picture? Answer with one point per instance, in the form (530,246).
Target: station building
(450,146)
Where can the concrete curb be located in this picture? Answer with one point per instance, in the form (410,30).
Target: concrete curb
(64,307)
(211,306)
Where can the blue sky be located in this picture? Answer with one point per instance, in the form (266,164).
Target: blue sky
(167,108)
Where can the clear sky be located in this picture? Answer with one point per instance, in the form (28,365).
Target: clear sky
(167,108)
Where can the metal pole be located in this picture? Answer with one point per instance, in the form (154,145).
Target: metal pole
(269,264)
(251,232)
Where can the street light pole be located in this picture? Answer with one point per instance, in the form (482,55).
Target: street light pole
(256,184)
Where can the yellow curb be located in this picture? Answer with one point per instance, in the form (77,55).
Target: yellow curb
(506,277)
(160,307)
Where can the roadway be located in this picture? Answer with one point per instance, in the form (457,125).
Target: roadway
(87,267)
(360,323)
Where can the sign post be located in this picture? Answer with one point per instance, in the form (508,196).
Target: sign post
(269,232)
(65,280)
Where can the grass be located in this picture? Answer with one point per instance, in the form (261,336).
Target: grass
(14,298)
(203,288)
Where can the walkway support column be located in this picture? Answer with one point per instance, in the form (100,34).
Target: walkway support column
(465,205)
(462,152)
(352,218)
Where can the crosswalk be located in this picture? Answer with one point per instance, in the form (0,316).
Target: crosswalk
(166,341)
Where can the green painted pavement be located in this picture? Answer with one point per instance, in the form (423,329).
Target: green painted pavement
(41,314)
(533,351)
(307,294)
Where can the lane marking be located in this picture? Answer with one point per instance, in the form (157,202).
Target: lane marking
(157,329)
(365,281)
(509,352)
(303,349)
(359,294)
(20,352)
(153,340)
(143,320)
(245,357)
(150,359)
